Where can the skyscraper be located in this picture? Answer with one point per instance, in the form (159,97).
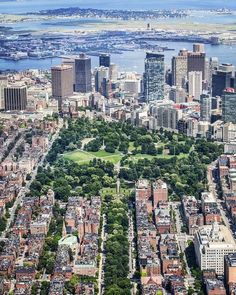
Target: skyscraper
(199,47)
(104,60)
(15,98)
(229,105)
(213,67)
(220,81)
(205,107)
(62,82)
(196,62)
(154,77)
(3,83)
(100,74)
(195,84)
(113,72)
(70,62)
(226,67)
(180,68)
(83,76)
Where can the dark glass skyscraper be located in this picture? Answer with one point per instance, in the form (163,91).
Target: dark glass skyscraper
(154,77)
(83,75)
(229,106)
(104,60)
(220,81)
(205,107)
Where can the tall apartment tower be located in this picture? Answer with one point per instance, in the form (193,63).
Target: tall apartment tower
(15,98)
(229,106)
(83,75)
(104,60)
(205,107)
(154,77)
(3,83)
(62,82)
(180,68)
(195,84)
(197,62)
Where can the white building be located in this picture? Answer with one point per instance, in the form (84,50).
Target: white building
(212,243)
(195,84)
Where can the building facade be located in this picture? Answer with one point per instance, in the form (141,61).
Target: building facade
(15,98)
(195,84)
(154,77)
(205,107)
(83,75)
(212,243)
(179,69)
(62,82)
(104,60)
(229,106)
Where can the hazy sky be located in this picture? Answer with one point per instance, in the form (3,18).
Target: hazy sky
(120,4)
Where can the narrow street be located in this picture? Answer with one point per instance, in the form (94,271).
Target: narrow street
(132,260)
(212,189)
(102,258)
(182,238)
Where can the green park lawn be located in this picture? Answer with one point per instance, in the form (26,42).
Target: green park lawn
(112,191)
(150,157)
(83,157)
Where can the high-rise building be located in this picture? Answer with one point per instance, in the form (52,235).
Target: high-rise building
(227,68)
(205,107)
(233,82)
(214,63)
(100,74)
(62,82)
(113,72)
(199,47)
(213,67)
(197,63)
(83,75)
(220,81)
(212,243)
(179,69)
(177,94)
(154,77)
(70,62)
(15,98)
(195,84)
(3,83)
(104,60)
(166,116)
(229,106)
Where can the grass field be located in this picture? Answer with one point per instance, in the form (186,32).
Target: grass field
(112,191)
(150,157)
(83,157)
